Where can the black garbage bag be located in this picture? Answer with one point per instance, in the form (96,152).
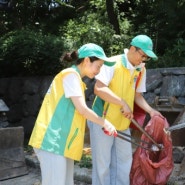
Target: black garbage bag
(149,167)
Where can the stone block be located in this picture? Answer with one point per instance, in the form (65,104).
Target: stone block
(12,159)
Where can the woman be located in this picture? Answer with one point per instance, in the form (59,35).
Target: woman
(58,134)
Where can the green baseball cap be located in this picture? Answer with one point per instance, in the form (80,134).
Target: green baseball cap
(145,44)
(93,50)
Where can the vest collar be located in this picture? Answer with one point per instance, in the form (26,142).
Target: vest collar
(124,62)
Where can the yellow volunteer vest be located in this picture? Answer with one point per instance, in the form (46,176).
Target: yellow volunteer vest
(59,127)
(123,85)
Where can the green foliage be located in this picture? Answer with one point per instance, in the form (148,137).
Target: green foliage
(26,52)
(78,34)
(72,24)
(37,15)
(85,162)
(174,57)
(162,20)
(93,26)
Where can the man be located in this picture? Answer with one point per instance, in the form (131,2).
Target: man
(116,93)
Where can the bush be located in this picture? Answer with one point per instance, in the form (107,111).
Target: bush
(25,53)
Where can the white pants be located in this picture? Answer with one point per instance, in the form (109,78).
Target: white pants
(55,169)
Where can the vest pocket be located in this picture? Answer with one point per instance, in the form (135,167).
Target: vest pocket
(73,137)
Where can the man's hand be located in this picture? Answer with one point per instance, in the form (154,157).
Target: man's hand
(126,111)
(154,112)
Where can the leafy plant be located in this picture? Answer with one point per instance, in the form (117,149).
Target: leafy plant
(26,52)
(85,162)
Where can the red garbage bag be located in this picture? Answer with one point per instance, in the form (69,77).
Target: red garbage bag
(139,116)
(149,167)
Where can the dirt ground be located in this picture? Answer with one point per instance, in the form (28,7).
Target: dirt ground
(34,178)
(178,176)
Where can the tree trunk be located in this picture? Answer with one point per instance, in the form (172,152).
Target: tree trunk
(112,16)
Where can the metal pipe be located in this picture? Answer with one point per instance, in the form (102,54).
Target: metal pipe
(174,127)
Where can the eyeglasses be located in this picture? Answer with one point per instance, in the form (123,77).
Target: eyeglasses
(143,56)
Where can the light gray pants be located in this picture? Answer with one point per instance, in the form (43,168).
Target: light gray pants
(111,157)
(55,169)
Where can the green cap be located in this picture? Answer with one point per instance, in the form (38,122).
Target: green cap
(93,50)
(145,44)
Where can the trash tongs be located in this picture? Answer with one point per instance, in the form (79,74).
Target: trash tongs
(137,142)
(152,147)
(155,146)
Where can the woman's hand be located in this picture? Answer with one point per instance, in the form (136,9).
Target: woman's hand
(109,129)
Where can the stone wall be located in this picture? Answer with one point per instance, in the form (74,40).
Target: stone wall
(24,96)
(166,82)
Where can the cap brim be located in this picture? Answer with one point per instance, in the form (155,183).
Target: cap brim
(108,61)
(151,54)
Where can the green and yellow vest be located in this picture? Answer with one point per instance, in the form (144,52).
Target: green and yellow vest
(59,127)
(123,85)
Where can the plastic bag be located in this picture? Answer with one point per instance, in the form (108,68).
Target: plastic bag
(139,113)
(139,116)
(150,168)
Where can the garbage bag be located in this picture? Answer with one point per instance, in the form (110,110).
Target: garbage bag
(149,167)
(139,116)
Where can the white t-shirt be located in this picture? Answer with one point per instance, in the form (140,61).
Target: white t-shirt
(71,85)
(106,74)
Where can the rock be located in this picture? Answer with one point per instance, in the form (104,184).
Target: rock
(178,155)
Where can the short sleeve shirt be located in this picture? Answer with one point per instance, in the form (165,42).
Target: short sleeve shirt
(71,85)
(106,74)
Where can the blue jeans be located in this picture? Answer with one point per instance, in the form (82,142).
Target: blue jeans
(111,157)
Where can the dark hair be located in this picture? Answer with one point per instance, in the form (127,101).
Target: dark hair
(69,57)
(73,56)
(137,48)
